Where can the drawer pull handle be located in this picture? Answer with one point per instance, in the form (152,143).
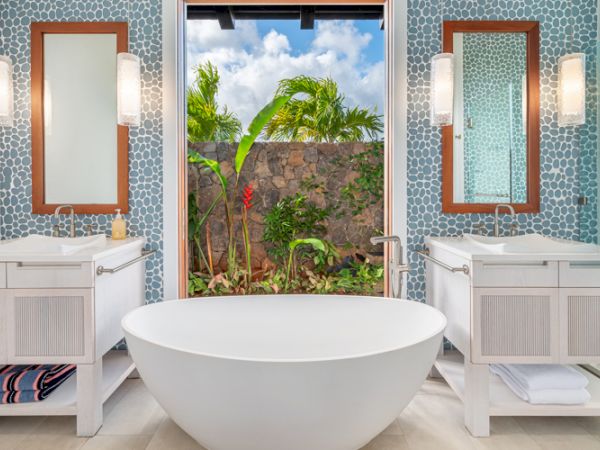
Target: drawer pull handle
(145,255)
(520,264)
(425,254)
(58,265)
(584,264)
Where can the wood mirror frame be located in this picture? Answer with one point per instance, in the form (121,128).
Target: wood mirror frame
(38,30)
(532,31)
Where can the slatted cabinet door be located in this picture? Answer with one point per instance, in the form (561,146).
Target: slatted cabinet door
(49,325)
(580,325)
(517,325)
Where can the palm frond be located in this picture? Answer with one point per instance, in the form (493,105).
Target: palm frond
(206,122)
(317,113)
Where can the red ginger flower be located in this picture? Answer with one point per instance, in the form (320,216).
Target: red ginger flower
(247,194)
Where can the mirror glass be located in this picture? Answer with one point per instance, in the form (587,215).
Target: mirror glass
(80,117)
(490,118)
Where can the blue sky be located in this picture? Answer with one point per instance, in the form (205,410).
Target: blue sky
(252,59)
(300,40)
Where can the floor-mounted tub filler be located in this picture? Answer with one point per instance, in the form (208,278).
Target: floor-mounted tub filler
(284,371)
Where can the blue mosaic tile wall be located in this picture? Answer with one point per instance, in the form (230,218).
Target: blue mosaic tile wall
(563,150)
(145,154)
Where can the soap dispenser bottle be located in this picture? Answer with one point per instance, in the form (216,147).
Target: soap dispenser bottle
(118,227)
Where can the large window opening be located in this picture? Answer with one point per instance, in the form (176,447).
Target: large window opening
(285,149)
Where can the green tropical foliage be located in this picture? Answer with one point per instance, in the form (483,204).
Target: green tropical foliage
(367,189)
(214,166)
(318,114)
(362,278)
(302,109)
(290,218)
(317,244)
(196,223)
(207,122)
(229,197)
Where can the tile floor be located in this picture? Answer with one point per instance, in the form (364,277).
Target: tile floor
(433,420)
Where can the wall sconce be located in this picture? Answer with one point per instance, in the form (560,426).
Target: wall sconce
(7,112)
(442,89)
(129,89)
(571,89)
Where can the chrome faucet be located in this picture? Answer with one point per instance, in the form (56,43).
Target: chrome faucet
(396,267)
(514,230)
(71,216)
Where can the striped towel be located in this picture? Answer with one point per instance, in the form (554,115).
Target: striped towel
(32,383)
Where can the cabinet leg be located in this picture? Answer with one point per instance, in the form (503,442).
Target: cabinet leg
(434,373)
(89,398)
(477,399)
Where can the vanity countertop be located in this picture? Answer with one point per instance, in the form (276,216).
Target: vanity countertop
(532,247)
(29,253)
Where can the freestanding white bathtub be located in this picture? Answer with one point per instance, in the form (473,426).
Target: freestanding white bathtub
(285,372)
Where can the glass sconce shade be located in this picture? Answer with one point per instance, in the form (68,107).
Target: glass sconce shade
(6,92)
(129,89)
(571,89)
(442,89)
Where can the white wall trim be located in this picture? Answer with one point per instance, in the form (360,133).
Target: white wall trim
(397,111)
(171,117)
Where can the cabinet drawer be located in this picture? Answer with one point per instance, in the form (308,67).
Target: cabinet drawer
(49,275)
(515,274)
(579,274)
(2,275)
(515,326)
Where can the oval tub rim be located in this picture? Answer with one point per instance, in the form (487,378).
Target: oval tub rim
(383,351)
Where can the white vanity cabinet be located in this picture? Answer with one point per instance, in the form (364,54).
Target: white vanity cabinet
(505,307)
(61,309)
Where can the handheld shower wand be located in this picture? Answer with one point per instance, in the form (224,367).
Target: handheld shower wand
(396,267)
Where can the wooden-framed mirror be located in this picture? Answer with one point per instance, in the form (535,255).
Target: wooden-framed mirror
(491,153)
(79,153)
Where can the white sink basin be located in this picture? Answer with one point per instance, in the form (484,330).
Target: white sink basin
(530,244)
(47,245)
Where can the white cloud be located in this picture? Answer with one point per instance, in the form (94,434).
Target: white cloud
(343,38)
(276,43)
(206,35)
(251,67)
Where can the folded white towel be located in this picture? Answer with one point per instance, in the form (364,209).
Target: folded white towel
(546,376)
(576,396)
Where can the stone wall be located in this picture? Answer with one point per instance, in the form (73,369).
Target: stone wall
(276,170)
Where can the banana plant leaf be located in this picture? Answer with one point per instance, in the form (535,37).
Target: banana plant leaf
(210,209)
(197,158)
(317,244)
(255,128)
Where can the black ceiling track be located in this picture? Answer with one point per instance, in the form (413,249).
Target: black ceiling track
(306,15)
